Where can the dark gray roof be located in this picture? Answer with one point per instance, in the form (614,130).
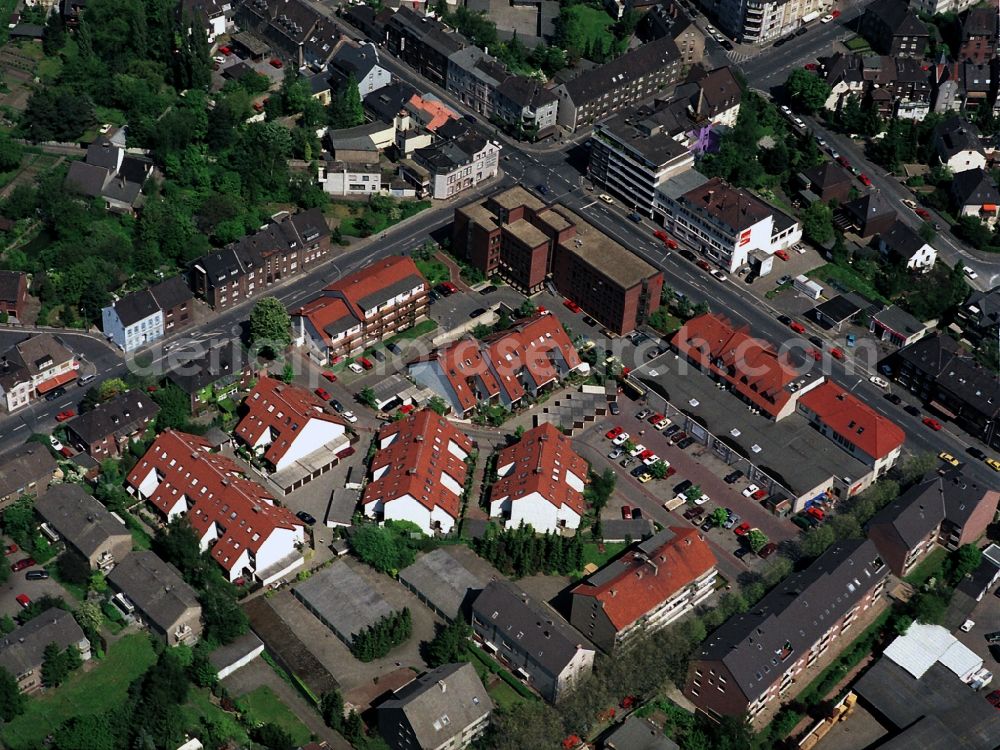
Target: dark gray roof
(119,416)
(903,701)
(440,704)
(550,641)
(171,292)
(638,734)
(79,518)
(650,131)
(87,179)
(447,155)
(217,364)
(23,465)
(826,175)
(897,17)
(429,31)
(956,371)
(31,356)
(988,304)
(103,153)
(360,60)
(27,30)
(912,515)
(136,306)
(794,615)
(21,649)
(980,22)
(441,578)
(838,309)
(388,100)
(155,587)
(527,92)
(956,134)
(902,241)
(621,71)
(618,529)
(226,656)
(897,319)
(869,206)
(10,284)
(974,187)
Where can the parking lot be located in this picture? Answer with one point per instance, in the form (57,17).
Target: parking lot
(18,584)
(986,616)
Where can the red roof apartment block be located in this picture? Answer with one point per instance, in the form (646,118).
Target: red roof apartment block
(509,365)
(541,482)
(234,517)
(361,309)
(852,424)
(419,472)
(754,370)
(285,423)
(646,589)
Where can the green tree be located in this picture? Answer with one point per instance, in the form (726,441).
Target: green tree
(816,540)
(55,34)
(175,407)
(272,737)
(380,547)
(817,223)
(719,516)
(659,470)
(270,326)
(806,91)
(438,404)
(525,724)
(57,113)
(7,624)
(222,616)
(158,718)
(367,397)
(449,644)
(112,387)
(756,539)
(10,153)
(331,708)
(288,372)
(54,666)
(962,562)
(201,670)
(88,732)
(11,700)
(19,520)
(177,543)
(88,616)
(346,109)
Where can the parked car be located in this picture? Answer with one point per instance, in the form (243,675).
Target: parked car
(20,565)
(349,416)
(976,453)
(615,454)
(329,376)
(355,368)
(636,513)
(621,438)
(708,525)
(23,600)
(487,290)
(993,464)
(733,476)
(686,443)
(276,63)
(948,458)
(683,486)
(677,437)
(742,529)
(589,321)
(892,398)
(672,430)
(932,423)
(879,382)
(36,575)
(64,415)
(643,413)
(636,217)
(693,514)
(322,393)
(55,393)
(911,409)
(627,512)
(613,433)
(571,305)
(394,348)
(767,550)
(614,408)
(797,327)
(477,312)
(783,254)
(786,279)
(10,549)
(718,275)
(307,518)
(750,489)
(606,198)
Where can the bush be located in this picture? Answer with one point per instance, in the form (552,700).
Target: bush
(379,639)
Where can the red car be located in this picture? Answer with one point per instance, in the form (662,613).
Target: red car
(64,415)
(811,66)
(22,564)
(767,550)
(932,423)
(365,362)
(571,305)
(406,408)
(449,286)
(661,235)
(704,265)
(276,63)
(627,512)
(329,376)
(865,179)
(816,513)
(670,472)
(814,354)
(10,549)
(797,327)
(646,454)
(994,698)
(226,51)
(23,600)
(836,353)
(742,529)
(783,254)
(613,433)
(656,418)
(842,161)
(258,106)
(321,392)
(923,213)
(759,495)
(835,13)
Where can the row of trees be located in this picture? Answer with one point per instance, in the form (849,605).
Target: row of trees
(522,552)
(379,639)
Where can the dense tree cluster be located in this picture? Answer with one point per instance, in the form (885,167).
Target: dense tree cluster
(379,639)
(521,552)
(58,663)
(388,548)
(449,644)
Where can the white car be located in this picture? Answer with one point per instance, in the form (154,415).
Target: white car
(786,109)
(54,442)
(750,490)
(826,19)
(651,460)
(349,416)
(621,439)
(637,450)
(616,453)
(718,275)
(606,198)
(662,424)
(355,367)
(880,382)
(702,500)
(800,122)
(970,273)
(834,153)
(968,625)
(219,59)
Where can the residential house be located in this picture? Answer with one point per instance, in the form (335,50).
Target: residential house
(85,526)
(142,317)
(216,375)
(107,172)
(419,472)
(949,380)
(461,159)
(417,120)
(869,215)
(25,470)
(540,482)
(161,599)
(289,428)
(893,29)
(650,586)
(726,224)
(505,368)
(235,518)
(13,294)
(947,509)
(292,28)
(361,309)
(896,326)
(361,61)
(903,245)
(105,431)
(958,145)
(828,182)
(322,43)
(758,657)
(531,640)
(288,246)
(978,86)
(33,367)
(671,19)
(214,16)
(638,734)
(979,36)
(631,78)
(762,22)
(979,316)
(22,650)
(974,193)
(936,7)
(423,43)
(447,707)
(341,178)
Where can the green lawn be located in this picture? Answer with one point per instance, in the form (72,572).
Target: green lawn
(595,23)
(591,553)
(929,566)
(264,707)
(846,277)
(101,688)
(434,271)
(199,706)
(415,332)
(857,44)
(503,695)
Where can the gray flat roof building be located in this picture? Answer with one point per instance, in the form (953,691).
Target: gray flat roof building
(447,578)
(342,600)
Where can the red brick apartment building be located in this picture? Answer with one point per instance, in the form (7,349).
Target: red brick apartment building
(515,235)
(361,309)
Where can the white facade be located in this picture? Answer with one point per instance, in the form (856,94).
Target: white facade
(408,508)
(344,179)
(318,434)
(964,160)
(536,511)
(21,394)
(672,609)
(132,337)
(482,166)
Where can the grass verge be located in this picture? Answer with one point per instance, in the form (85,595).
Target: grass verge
(264,707)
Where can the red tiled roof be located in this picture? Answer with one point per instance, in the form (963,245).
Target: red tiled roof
(852,419)
(416,459)
(438,113)
(541,459)
(645,582)
(322,312)
(217,493)
(461,362)
(58,380)
(750,365)
(529,346)
(284,410)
